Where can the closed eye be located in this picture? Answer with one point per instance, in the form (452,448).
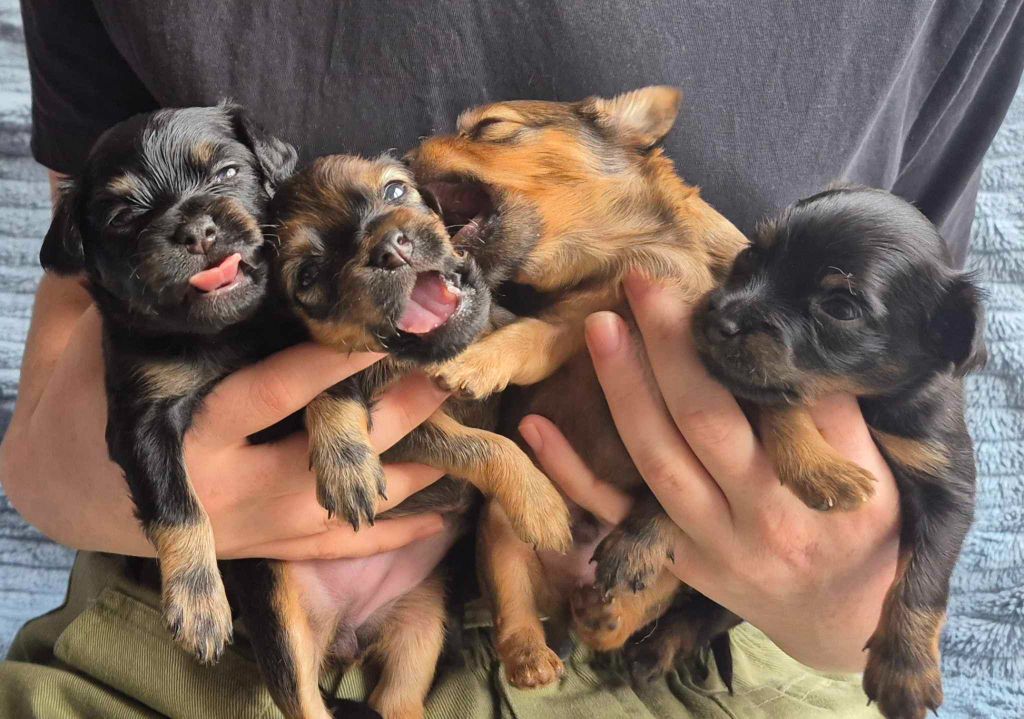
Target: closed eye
(494,129)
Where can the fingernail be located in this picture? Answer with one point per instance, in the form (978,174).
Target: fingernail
(433,524)
(528,429)
(604,333)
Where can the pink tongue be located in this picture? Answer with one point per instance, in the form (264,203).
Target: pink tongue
(430,304)
(216,277)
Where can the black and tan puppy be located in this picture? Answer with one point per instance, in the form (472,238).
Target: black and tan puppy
(567,198)
(851,290)
(164,221)
(367,264)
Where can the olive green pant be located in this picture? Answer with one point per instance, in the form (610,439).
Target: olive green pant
(106,655)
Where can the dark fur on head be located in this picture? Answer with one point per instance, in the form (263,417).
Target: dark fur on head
(355,237)
(848,290)
(150,186)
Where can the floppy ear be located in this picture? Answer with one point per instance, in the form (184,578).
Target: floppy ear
(642,117)
(62,250)
(276,157)
(958,327)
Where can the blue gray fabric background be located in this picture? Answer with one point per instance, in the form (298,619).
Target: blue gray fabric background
(984,643)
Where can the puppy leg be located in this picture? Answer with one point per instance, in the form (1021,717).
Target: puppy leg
(408,650)
(497,467)
(605,622)
(903,672)
(690,625)
(513,578)
(808,465)
(349,475)
(147,442)
(288,641)
(635,552)
(525,351)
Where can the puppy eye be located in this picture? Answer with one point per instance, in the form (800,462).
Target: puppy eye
(121,218)
(841,308)
(394,191)
(307,275)
(226,173)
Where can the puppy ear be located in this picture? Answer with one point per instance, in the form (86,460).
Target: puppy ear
(642,117)
(958,327)
(62,250)
(276,157)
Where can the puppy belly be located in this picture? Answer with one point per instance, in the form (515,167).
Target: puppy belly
(349,592)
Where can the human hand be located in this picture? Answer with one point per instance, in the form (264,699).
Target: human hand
(813,582)
(260,498)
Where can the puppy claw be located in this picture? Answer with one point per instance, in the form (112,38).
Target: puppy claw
(197,614)
(471,375)
(842,486)
(349,491)
(905,687)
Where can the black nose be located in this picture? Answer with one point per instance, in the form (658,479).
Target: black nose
(393,251)
(198,234)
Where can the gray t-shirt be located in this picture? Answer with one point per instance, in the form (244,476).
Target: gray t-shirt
(781,97)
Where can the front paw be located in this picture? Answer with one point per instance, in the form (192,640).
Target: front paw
(905,688)
(538,513)
(626,562)
(598,619)
(470,377)
(529,663)
(828,486)
(349,481)
(197,613)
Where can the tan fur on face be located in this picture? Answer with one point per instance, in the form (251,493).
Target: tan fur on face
(126,185)
(202,153)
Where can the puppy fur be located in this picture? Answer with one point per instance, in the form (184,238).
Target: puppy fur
(567,198)
(360,251)
(162,197)
(851,290)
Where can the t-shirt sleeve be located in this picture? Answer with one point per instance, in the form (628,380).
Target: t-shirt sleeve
(959,117)
(81,85)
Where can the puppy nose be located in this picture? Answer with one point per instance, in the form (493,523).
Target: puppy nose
(198,235)
(393,251)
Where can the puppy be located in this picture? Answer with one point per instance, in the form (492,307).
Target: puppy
(567,198)
(851,290)
(165,222)
(367,264)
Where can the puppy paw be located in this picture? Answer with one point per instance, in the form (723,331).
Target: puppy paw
(538,512)
(829,486)
(470,375)
(197,614)
(598,620)
(626,562)
(903,689)
(529,664)
(349,481)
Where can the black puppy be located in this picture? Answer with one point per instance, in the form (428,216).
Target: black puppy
(165,222)
(851,290)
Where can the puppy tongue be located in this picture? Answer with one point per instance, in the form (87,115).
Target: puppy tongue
(430,304)
(216,277)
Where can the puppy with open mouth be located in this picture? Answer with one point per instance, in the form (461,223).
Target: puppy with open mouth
(367,264)
(852,291)
(567,198)
(165,222)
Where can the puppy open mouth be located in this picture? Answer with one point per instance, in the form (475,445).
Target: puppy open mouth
(220,278)
(431,303)
(467,209)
